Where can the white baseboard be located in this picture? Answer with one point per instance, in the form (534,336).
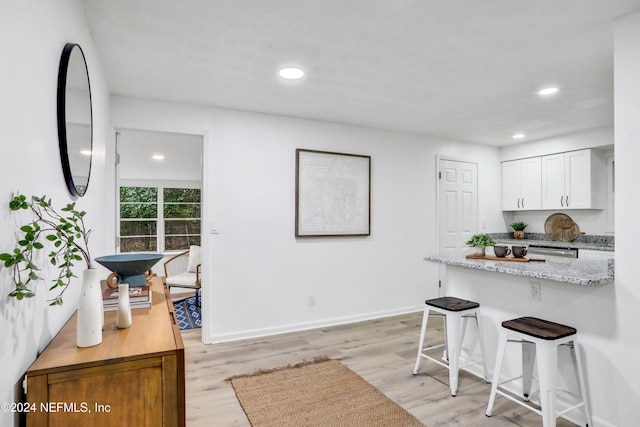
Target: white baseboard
(258,333)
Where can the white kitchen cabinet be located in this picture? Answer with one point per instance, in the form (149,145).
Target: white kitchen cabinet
(573,180)
(521,184)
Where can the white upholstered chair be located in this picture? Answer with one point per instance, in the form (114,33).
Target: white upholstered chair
(183,271)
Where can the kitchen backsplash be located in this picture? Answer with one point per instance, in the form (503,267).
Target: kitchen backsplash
(583,238)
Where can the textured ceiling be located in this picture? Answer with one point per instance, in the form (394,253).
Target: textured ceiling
(463,69)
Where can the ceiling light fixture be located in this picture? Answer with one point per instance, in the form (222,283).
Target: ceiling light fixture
(158,157)
(291,73)
(547,91)
(518,135)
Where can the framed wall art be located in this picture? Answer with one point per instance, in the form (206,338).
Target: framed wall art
(333,194)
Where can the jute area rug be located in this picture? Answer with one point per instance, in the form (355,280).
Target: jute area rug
(320,393)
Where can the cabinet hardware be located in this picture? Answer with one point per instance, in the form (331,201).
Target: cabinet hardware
(567,201)
(561,203)
(518,203)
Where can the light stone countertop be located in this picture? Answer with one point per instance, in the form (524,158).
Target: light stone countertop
(586,272)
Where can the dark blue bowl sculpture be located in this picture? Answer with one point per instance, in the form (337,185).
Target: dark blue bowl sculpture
(133,269)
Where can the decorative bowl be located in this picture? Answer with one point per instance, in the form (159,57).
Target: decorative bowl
(133,269)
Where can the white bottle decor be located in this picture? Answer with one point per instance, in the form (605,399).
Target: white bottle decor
(124,307)
(90,314)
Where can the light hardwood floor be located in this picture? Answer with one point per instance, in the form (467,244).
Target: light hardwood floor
(382,351)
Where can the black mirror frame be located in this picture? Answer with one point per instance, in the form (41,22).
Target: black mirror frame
(62,118)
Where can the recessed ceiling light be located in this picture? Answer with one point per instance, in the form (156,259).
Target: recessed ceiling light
(291,73)
(548,91)
(158,157)
(85,152)
(518,135)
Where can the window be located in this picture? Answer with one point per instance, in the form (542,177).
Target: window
(159,219)
(181,212)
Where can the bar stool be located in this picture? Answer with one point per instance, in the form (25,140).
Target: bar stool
(543,337)
(456,312)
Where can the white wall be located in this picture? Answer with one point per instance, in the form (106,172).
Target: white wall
(33,34)
(258,276)
(591,221)
(182,162)
(620,401)
(595,138)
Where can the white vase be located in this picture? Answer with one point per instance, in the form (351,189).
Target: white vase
(90,310)
(479,251)
(123,320)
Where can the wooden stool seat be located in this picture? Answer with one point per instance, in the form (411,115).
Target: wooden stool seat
(539,328)
(452,303)
(456,312)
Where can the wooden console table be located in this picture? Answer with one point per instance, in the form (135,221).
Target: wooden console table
(135,377)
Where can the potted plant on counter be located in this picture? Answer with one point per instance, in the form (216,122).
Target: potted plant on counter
(518,229)
(480,243)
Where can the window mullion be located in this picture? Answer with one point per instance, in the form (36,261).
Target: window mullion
(160,219)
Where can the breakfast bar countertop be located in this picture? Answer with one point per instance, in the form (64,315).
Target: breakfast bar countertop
(586,272)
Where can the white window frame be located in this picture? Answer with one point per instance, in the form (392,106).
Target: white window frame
(160,229)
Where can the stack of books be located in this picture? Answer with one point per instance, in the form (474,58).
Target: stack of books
(139,297)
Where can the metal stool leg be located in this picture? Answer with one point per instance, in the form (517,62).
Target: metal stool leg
(502,347)
(482,349)
(547,364)
(577,362)
(528,360)
(425,321)
(454,335)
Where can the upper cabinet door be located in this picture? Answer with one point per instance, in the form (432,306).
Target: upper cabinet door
(531,186)
(511,185)
(521,184)
(553,192)
(585,179)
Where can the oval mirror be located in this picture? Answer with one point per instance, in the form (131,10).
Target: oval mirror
(75,120)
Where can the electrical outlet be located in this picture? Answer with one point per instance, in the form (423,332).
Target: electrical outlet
(535,291)
(311,300)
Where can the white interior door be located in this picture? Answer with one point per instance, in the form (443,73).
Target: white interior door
(457,208)
(458,204)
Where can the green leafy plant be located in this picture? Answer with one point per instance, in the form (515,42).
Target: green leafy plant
(67,233)
(481,240)
(518,226)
